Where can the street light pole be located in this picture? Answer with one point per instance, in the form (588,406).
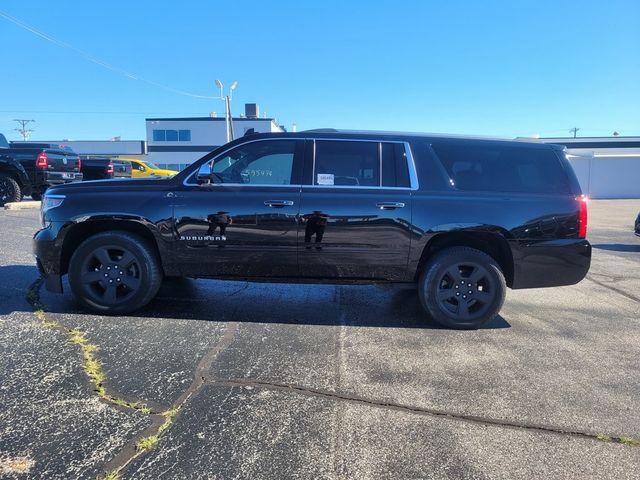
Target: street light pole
(227,107)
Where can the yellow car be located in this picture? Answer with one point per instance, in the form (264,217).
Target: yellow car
(144,168)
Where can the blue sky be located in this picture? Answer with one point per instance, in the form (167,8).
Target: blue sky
(502,68)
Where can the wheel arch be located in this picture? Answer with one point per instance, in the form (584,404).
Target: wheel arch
(492,243)
(79,232)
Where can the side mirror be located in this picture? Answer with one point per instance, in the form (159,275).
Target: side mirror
(204,173)
(141,168)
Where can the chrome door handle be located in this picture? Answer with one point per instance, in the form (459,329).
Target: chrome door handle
(389,205)
(278,203)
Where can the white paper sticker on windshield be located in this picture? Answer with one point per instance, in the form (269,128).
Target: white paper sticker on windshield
(325,179)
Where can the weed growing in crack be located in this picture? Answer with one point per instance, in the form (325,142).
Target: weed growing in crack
(632,442)
(147,443)
(111,476)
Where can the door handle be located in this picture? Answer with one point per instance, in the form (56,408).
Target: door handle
(278,203)
(389,205)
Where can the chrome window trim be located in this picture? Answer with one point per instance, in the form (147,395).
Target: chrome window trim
(411,163)
(380,161)
(374,187)
(413,176)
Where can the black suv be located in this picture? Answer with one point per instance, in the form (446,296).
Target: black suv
(462,218)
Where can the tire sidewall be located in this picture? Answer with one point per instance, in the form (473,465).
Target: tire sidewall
(434,270)
(149,272)
(12,192)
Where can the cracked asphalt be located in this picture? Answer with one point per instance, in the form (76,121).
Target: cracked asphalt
(321,381)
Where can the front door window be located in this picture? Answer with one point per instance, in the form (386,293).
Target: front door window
(257,163)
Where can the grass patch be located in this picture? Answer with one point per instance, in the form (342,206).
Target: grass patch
(111,476)
(603,438)
(147,443)
(632,442)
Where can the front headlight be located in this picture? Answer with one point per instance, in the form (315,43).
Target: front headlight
(51,201)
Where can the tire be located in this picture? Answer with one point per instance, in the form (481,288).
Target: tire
(37,196)
(457,275)
(9,190)
(124,260)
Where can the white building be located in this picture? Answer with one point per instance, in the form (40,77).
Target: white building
(176,142)
(606,167)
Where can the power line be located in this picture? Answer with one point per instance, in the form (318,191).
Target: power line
(97,61)
(94,112)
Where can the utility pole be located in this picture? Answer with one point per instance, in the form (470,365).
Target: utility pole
(574,130)
(23,130)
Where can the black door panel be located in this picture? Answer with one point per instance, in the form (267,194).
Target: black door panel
(344,233)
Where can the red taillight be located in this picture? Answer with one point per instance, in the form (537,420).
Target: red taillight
(42,161)
(110,168)
(78,164)
(582,217)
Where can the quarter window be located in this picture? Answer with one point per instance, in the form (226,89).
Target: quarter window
(503,169)
(257,163)
(347,164)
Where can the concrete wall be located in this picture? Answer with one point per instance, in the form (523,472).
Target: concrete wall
(607,175)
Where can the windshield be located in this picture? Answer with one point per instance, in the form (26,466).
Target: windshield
(151,165)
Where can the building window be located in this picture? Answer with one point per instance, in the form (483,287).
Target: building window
(158,136)
(172,135)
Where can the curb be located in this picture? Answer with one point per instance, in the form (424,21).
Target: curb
(27,205)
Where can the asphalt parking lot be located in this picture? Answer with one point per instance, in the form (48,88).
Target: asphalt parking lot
(239,380)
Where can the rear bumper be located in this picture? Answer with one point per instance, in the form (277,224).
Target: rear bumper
(550,263)
(59,178)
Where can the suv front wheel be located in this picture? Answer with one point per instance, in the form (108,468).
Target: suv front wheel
(114,273)
(462,288)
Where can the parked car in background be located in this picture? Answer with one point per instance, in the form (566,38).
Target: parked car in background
(461,218)
(637,226)
(121,168)
(97,168)
(14,181)
(45,164)
(144,168)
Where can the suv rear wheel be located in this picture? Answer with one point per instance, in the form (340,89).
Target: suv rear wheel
(462,287)
(9,190)
(114,273)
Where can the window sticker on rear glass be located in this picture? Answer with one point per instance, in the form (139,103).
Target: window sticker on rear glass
(325,179)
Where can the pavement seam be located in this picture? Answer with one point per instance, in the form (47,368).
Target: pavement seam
(151,437)
(90,363)
(160,420)
(430,412)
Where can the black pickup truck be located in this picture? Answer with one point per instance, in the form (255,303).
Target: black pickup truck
(96,168)
(45,164)
(461,218)
(14,181)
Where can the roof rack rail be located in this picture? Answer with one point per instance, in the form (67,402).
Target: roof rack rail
(322,130)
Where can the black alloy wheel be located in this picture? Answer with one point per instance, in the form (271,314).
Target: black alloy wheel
(114,273)
(110,275)
(462,288)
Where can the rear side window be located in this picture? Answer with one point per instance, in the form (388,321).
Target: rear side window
(347,163)
(503,169)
